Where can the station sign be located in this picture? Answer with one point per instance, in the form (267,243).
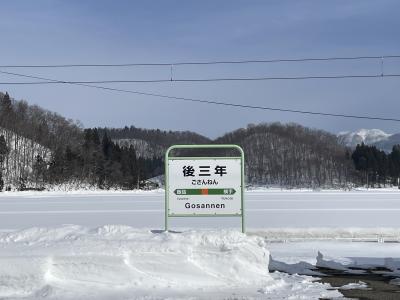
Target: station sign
(204,186)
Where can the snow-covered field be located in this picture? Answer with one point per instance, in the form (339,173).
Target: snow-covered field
(114,247)
(264,209)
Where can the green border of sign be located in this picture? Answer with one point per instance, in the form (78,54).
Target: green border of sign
(220,146)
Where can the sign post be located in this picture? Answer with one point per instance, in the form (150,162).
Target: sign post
(204,186)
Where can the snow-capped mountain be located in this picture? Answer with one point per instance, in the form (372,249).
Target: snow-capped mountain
(376,137)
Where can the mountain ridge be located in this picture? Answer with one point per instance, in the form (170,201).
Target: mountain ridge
(373,137)
(289,155)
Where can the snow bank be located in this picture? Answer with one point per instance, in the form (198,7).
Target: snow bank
(386,267)
(296,287)
(120,262)
(355,286)
(117,256)
(302,267)
(354,264)
(375,234)
(348,257)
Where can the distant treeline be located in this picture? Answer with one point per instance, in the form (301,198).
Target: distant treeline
(102,163)
(39,148)
(156,136)
(377,167)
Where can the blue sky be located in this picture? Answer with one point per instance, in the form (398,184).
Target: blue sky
(58,32)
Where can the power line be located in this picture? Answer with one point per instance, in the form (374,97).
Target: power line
(181,63)
(186,99)
(198,79)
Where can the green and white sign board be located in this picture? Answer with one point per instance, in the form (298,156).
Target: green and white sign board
(204,186)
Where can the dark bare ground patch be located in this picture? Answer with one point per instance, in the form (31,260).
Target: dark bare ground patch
(379,287)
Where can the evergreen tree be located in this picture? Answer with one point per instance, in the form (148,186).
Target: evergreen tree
(3,150)
(6,105)
(375,164)
(107,146)
(39,170)
(394,161)
(3,153)
(1,181)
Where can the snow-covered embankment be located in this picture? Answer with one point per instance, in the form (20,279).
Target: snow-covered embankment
(73,262)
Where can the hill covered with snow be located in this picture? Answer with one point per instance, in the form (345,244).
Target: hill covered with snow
(374,137)
(22,162)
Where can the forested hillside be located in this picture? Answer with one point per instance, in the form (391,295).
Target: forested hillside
(276,154)
(20,158)
(29,136)
(40,149)
(152,142)
(292,156)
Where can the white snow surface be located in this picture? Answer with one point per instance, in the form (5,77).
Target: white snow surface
(361,285)
(121,262)
(300,229)
(274,213)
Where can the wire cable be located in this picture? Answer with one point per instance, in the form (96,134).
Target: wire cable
(247,61)
(214,102)
(199,79)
